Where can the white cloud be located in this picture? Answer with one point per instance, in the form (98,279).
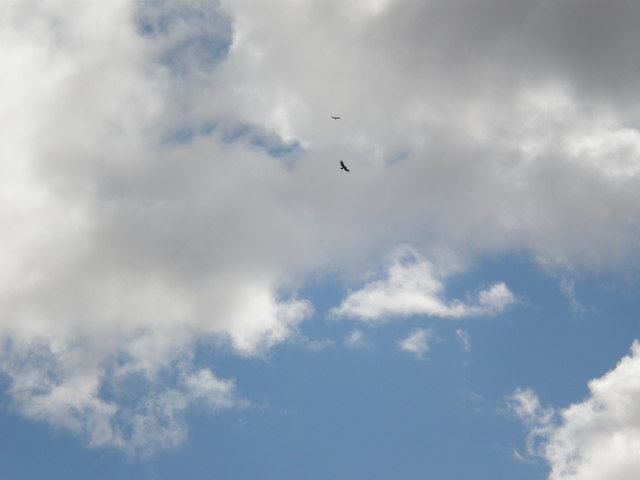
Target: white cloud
(417,342)
(116,407)
(593,439)
(414,287)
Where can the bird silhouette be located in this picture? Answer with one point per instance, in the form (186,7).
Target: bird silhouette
(343,166)
(335,118)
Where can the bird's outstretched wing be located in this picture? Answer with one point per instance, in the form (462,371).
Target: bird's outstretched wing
(335,118)
(343,166)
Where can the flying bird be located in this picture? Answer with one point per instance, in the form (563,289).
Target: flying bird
(335,118)
(343,166)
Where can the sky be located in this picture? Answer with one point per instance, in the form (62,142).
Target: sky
(191,287)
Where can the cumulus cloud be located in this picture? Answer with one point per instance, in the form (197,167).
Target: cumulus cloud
(414,287)
(592,439)
(417,342)
(169,175)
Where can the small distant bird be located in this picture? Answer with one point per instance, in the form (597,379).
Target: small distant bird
(335,118)
(343,166)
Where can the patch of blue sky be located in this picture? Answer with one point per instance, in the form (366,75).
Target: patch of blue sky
(192,37)
(548,347)
(398,157)
(269,142)
(254,137)
(361,413)
(180,136)
(202,51)
(37,450)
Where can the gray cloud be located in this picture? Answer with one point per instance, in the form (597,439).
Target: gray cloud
(509,136)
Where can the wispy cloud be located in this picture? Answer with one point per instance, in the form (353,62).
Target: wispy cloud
(417,342)
(538,420)
(318,345)
(567,286)
(357,339)
(464,338)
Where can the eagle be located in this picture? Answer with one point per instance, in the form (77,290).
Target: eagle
(343,166)
(335,118)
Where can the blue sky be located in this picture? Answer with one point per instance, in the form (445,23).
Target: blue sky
(375,411)
(191,287)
